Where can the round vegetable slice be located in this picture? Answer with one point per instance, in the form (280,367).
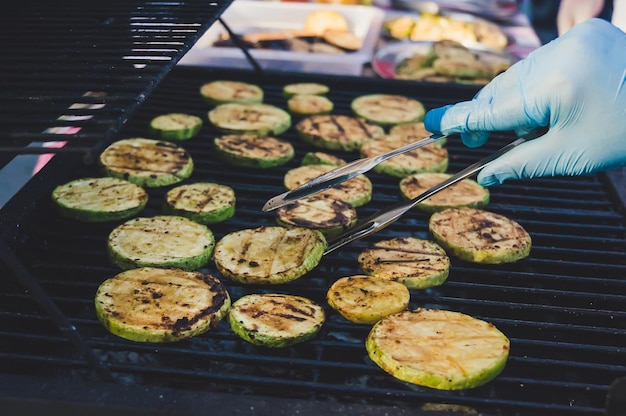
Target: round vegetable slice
(388,109)
(439,349)
(321,158)
(146,162)
(269,255)
(337,132)
(99,199)
(151,304)
(290,90)
(259,119)
(356,191)
(329,216)
(466,193)
(367,299)
(252,151)
(160,241)
(275,320)
(309,104)
(202,202)
(175,126)
(429,158)
(480,236)
(416,263)
(413,132)
(224,91)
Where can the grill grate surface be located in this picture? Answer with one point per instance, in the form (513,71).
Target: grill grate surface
(564,307)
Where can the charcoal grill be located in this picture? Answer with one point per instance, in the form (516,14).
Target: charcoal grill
(564,307)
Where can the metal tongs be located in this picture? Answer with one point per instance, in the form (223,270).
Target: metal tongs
(386,216)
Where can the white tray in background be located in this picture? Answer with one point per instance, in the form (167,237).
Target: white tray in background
(242,16)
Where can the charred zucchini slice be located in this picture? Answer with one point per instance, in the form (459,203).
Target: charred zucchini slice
(466,193)
(356,191)
(413,132)
(329,216)
(252,151)
(429,158)
(308,88)
(275,320)
(480,236)
(202,202)
(388,109)
(146,162)
(438,349)
(269,255)
(259,119)
(99,199)
(322,158)
(160,241)
(416,263)
(366,299)
(175,126)
(223,91)
(152,304)
(304,105)
(337,132)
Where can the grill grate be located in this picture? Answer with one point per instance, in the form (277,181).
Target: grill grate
(564,307)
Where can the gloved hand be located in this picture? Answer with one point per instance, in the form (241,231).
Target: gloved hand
(575,85)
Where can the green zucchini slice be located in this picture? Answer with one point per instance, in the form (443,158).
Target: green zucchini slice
(304,105)
(99,199)
(259,119)
(175,126)
(151,304)
(322,158)
(413,132)
(252,151)
(337,132)
(203,202)
(290,90)
(330,216)
(388,109)
(224,91)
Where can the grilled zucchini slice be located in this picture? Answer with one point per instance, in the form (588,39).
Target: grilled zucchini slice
(466,193)
(388,109)
(416,263)
(413,131)
(252,151)
(275,320)
(151,304)
(202,202)
(308,88)
(99,199)
(269,255)
(160,241)
(343,39)
(175,126)
(366,299)
(356,191)
(480,236)
(304,105)
(321,158)
(146,162)
(223,91)
(429,158)
(329,216)
(337,132)
(439,349)
(259,119)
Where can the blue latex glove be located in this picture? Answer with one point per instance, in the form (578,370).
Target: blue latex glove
(575,85)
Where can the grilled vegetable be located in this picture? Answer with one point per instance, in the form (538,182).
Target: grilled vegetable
(416,263)
(337,132)
(466,193)
(175,126)
(480,236)
(259,119)
(160,241)
(309,104)
(202,202)
(412,131)
(463,68)
(222,91)
(252,151)
(343,39)
(308,88)
(99,199)
(151,304)
(275,320)
(329,216)
(146,162)
(429,158)
(321,158)
(269,255)
(388,109)
(367,299)
(439,349)
(356,191)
